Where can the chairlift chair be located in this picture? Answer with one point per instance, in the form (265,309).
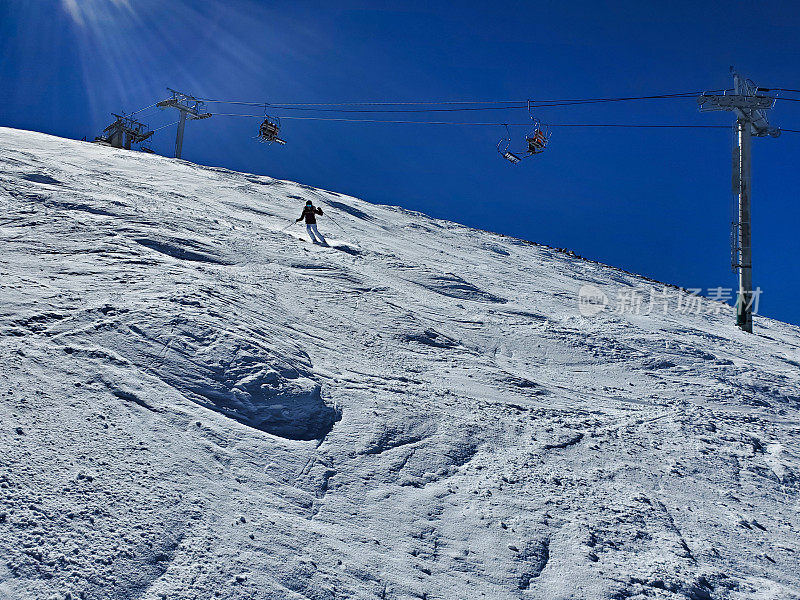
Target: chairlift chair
(269,130)
(504,149)
(537,141)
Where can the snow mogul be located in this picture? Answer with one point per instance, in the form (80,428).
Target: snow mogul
(310,213)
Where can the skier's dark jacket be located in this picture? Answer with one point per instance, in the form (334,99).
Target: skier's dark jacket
(309,214)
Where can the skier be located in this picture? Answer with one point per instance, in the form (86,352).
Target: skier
(310,213)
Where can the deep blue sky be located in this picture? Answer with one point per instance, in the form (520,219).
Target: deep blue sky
(655,202)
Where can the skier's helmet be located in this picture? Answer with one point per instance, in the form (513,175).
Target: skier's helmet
(309,203)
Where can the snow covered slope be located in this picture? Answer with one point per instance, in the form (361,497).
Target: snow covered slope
(196,404)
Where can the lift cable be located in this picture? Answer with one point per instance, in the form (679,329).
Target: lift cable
(165,126)
(142,109)
(476,105)
(466,105)
(439,102)
(612,99)
(524,105)
(491,124)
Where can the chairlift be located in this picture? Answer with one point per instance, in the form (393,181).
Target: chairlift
(536,142)
(269,130)
(503,148)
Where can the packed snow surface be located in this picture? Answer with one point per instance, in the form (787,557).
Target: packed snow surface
(199,403)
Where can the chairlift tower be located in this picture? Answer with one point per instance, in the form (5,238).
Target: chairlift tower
(190,107)
(751,120)
(126,131)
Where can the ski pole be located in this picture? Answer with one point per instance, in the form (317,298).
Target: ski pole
(287,227)
(337,224)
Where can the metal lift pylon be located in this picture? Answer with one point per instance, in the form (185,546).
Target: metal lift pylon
(190,107)
(751,120)
(125,131)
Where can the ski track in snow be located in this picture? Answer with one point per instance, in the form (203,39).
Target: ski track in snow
(197,405)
